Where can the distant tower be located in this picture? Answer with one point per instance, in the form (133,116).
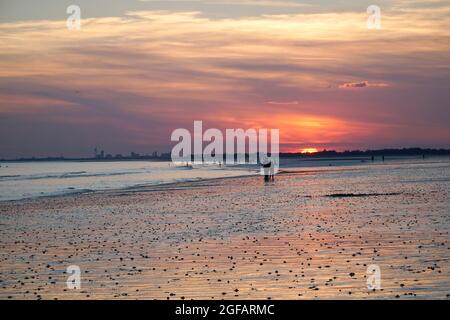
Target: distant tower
(95,152)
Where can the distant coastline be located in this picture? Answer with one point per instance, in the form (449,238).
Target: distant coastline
(381,152)
(316,155)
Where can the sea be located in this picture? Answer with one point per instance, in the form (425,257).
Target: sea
(32,179)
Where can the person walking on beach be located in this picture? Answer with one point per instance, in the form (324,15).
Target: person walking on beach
(272,171)
(268,167)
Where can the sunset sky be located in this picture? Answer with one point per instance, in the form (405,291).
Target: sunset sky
(137,70)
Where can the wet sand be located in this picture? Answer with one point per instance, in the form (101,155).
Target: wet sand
(307,235)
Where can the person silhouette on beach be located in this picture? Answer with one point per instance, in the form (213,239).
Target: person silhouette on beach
(272,171)
(268,168)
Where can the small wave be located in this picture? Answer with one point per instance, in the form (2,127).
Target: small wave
(66,175)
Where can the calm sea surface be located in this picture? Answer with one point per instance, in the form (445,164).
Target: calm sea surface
(20,180)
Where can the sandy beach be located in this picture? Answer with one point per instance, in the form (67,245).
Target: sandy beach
(309,234)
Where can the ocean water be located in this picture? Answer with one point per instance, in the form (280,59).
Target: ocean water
(21,180)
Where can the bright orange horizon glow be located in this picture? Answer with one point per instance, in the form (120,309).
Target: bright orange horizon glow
(309,150)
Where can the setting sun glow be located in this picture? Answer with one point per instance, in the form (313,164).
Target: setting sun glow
(309,150)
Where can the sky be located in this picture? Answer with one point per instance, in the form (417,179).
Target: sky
(137,70)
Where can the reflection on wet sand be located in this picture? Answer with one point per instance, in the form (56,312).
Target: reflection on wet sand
(237,238)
